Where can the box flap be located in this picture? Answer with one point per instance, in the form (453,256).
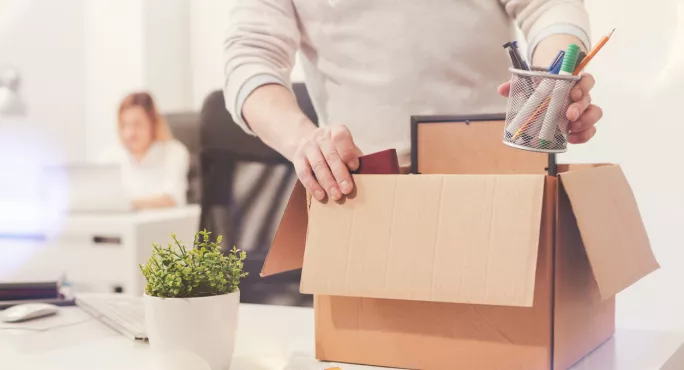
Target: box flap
(287,249)
(612,231)
(442,238)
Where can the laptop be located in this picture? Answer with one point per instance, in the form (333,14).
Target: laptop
(121,312)
(82,188)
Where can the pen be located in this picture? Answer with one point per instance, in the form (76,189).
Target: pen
(523,63)
(557,61)
(524,127)
(562,128)
(581,57)
(518,63)
(515,58)
(514,61)
(557,98)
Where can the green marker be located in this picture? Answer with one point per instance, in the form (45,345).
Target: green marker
(553,113)
(570,60)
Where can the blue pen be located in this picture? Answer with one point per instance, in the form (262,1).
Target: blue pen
(557,62)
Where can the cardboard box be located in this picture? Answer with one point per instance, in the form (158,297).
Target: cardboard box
(467,271)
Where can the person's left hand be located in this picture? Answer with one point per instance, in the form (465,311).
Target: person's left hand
(582,114)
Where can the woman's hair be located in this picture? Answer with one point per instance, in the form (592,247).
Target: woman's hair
(160,128)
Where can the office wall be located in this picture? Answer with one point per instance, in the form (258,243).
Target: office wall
(207,21)
(639,77)
(115,65)
(44,39)
(133,45)
(167,53)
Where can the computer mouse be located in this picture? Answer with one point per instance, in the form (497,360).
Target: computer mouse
(28,311)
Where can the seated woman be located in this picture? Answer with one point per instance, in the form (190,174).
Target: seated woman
(154,164)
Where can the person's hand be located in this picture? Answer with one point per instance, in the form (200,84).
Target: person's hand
(323,160)
(583,115)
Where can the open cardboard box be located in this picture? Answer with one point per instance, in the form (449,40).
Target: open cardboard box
(466,271)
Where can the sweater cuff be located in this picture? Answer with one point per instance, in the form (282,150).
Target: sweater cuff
(557,29)
(241,82)
(246,90)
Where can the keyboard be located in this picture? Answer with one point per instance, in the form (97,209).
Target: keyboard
(122,313)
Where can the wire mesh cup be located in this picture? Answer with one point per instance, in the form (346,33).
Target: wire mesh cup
(536,117)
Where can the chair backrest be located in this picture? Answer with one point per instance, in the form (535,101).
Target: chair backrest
(246,185)
(185,128)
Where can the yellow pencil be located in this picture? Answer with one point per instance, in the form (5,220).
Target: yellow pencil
(531,118)
(593,53)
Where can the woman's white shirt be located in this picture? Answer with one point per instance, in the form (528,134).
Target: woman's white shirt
(162,171)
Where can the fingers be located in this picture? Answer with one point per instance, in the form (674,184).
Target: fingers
(583,87)
(323,160)
(582,137)
(505,89)
(344,144)
(322,172)
(305,175)
(581,96)
(337,166)
(577,109)
(590,117)
(582,114)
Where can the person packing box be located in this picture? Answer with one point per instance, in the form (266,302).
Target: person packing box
(536,117)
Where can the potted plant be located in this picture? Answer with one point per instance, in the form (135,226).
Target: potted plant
(191,299)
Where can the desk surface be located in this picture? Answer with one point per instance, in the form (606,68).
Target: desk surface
(147,215)
(269,337)
(38,224)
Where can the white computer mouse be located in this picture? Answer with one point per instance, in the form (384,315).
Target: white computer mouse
(27,311)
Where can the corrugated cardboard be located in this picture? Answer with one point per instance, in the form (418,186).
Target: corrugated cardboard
(468,271)
(436,238)
(428,335)
(582,320)
(611,227)
(290,236)
(676,361)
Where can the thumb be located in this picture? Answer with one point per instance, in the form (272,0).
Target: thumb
(505,89)
(354,163)
(357,151)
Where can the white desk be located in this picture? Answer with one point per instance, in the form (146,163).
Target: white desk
(73,245)
(269,337)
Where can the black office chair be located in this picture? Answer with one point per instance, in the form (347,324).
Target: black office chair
(246,185)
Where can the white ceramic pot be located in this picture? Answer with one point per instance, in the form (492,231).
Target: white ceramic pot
(202,327)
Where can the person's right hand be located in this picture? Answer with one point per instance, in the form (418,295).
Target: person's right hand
(323,160)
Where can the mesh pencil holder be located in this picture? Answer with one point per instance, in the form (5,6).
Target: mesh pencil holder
(536,117)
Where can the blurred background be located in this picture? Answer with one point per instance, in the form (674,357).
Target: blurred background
(66,65)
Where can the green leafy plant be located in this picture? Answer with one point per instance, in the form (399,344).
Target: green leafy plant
(176,272)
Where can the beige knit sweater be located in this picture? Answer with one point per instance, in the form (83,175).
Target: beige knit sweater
(371,64)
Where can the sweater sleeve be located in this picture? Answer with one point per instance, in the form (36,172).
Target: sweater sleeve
(259,48)
(539,19)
